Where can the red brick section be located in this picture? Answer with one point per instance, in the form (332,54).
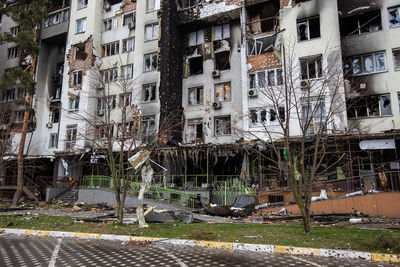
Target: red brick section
(263,61)
(128,5)
(233,2)
(84,65)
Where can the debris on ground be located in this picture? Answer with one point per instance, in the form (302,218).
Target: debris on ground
(322,196)
(242,206)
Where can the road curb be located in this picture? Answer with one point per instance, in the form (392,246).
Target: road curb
(274,249)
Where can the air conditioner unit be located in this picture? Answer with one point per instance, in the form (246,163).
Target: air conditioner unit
(49,125)
(100,113)
(217,105)
(305,84)
(215,73)
(131,25)
(252,93)
(107,7)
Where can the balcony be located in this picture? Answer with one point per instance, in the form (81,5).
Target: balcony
(57,23)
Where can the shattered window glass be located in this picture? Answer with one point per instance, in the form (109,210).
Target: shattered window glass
(368,64)
(357,65)
(303,31)
(308,29)
(396,59)
(311,68)
(73,104)
(222,125)
(128,71)
(128,45)
(150,61)
(385,106)
(394,17)
(223,92)
(380,62)
(194,130)
(253,117)
(196,38)
(129,18)
(279,77)
(221,32)
(149,92)
(373,106)
(82,3)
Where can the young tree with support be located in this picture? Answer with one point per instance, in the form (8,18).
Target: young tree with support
(301,118)
(27,14)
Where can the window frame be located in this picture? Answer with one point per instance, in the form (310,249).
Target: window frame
(396,51)
(154,34)
(198,99)
(125,45)
(222,118)
(76,79)
(80,5)
(103,101)
(268,116)
(317,60)
(53,140)
(78,21)
(13,52)
(109,75)
(72,131)
(217,98)
(194,123)
(150,55)
(73,104)
(367,107)
(398,15)
(124,98)
(154,5)
(362,62)
(306,21)
(199,34)
(152,94)
(124,71)
(223,30)
(110,49)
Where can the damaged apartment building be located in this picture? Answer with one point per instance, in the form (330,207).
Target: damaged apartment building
(207,62)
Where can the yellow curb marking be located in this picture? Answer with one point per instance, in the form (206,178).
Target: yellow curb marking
(385,257)
(37,232)
(143,238)
(297,250)
(211,244)
(86,235)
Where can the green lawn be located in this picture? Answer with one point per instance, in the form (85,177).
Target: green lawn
(384,241)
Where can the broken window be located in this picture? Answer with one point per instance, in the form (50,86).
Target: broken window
(14,31)
(110,24)
(148,129)
(110,49)
(308,28)
(127,71)
(396,58)
(369,63)
(71,136)
(76,78)
(79,52)
(188,3)
(222,32)
(129,20)
(151,61)
(82,3)
(81,25)
(223,91)
(149,92)
(358,24)
(261,79)
(128,45)
(311,67)
(196,38)
(109,75)
(153,5)
(195,96)
(394,16)
(14,52)
(195,65)
(261,45)
(151,32)
(125,99)
(266,116)
(106,103)
(222,125)
(53,140)
(194,130)
(73,104)
(222,60)
(55,114)
(369,106)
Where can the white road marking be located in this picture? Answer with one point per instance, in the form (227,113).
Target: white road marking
(55,253)
(181,263)
(306,261)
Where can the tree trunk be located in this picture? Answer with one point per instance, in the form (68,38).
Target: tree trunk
(306,220)
(20,158)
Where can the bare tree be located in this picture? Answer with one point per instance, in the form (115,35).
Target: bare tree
(303,112)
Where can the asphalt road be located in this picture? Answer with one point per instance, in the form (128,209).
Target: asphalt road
(48,251)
